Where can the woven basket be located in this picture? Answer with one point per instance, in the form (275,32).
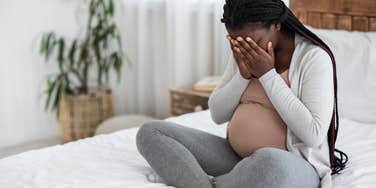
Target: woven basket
(80,115)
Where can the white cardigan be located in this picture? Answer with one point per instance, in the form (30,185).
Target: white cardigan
(306,108)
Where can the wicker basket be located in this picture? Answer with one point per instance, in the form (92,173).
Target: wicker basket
(80,115)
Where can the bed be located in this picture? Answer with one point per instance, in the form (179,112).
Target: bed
(112,160)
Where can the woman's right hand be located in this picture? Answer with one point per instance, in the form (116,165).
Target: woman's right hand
(244,68)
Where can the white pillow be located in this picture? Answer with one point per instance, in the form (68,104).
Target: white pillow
(355,54)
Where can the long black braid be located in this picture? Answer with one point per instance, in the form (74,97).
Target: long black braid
(239,13)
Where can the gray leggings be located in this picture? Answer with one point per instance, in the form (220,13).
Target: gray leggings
(186,157)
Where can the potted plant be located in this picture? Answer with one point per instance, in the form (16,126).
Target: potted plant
(80,108)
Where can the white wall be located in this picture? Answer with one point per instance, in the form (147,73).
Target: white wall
(22,22)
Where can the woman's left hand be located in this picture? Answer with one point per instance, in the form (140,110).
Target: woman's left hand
(259,60)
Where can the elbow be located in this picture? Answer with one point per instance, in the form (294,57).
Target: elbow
(314,143)
(217,119)
(317,136)
(214,113)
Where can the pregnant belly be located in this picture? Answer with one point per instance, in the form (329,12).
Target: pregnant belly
(253,126)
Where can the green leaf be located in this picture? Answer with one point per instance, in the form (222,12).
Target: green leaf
(60,56)
(83,55)
(50,89)
(110,9)
(43,45)
(116,63)
(99,33)
(98,55)
(114,30)
(118,68)
(72,52)
(48,44)
(100,73)
(57,96)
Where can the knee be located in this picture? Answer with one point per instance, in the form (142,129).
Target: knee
(286,167)
(275,161)
(145,133)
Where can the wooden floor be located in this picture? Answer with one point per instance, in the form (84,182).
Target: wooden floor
(113,124)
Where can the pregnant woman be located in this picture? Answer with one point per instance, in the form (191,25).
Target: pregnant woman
(279,96)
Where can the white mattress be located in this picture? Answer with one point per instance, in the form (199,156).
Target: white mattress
(113,160)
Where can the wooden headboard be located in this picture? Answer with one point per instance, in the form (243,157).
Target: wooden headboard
(353,15)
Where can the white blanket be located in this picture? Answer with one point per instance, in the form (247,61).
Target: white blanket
(113,160)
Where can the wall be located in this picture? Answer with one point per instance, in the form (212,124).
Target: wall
(23,71)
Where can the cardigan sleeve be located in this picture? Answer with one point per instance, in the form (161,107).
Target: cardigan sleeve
(309,118)
(226,95)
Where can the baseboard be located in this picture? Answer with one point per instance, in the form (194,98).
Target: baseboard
(12,150)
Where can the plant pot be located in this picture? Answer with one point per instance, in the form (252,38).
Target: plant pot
(80,115)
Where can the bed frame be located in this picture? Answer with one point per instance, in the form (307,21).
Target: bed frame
(352,15)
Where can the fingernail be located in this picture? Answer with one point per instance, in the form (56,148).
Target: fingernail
(248,39)
(239,39)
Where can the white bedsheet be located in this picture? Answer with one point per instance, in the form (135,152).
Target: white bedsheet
(113,160)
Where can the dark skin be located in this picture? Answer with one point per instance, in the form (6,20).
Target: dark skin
(258,49)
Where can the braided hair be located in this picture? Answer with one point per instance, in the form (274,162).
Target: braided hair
(239,13)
